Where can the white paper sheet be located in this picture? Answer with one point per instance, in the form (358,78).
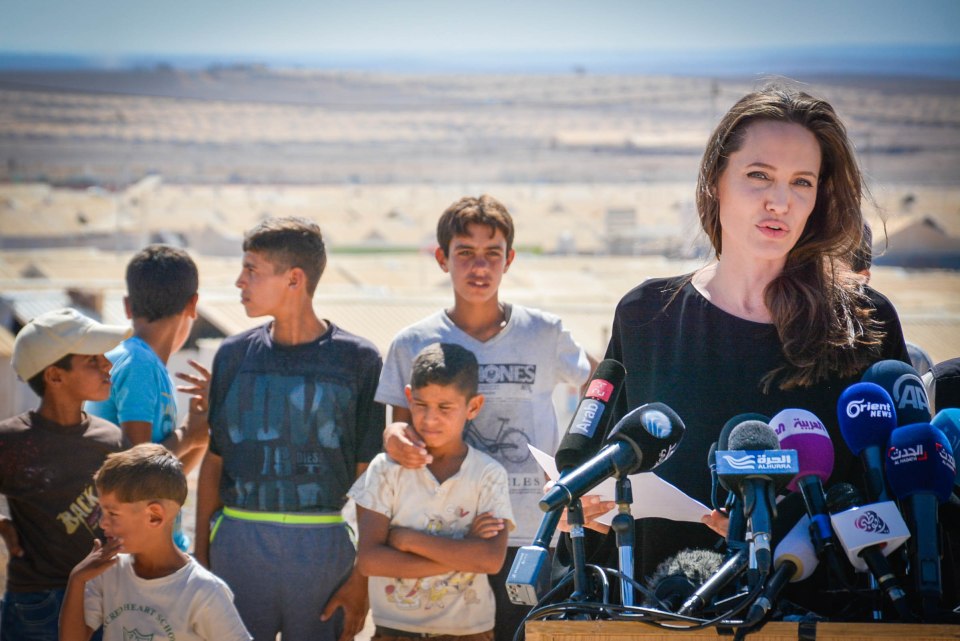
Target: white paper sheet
(652,496)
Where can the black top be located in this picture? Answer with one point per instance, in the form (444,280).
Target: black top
(946,390)
(46,473)
(293,421)
(706,364)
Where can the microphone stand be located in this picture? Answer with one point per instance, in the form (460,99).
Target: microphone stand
(575,520)
(624,526)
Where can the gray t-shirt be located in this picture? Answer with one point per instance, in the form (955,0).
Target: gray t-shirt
(519,369)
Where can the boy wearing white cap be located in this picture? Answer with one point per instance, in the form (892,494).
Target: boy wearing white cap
(47,460)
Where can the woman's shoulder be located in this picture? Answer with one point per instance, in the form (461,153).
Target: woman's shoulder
(656,291)
(880,303)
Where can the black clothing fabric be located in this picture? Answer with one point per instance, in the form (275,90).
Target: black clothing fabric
(706,364)
(46,473)
(946,384)
(293,421)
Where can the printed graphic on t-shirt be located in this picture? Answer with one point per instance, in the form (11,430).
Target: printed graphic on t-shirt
(432,593)
(84,512)
(287,433)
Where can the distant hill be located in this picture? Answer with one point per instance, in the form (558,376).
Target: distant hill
(928,61)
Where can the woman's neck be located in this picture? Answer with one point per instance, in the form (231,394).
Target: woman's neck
(738,289)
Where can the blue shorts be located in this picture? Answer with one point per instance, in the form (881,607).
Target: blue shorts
(283,574)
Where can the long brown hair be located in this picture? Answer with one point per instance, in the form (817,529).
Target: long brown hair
(822,316)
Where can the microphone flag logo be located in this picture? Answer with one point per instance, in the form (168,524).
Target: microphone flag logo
(870,521)
(657,424)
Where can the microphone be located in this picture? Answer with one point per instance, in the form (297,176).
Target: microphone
(588,427)
(921,470)
(905,387)
(737,524)
(866,415)
(947,421)
(642,440)
(755,468)
(794,559)
(802,431)
(868,535)
(676,578)
(584,436)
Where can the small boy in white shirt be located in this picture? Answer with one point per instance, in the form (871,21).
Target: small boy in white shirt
(428,537)
(139,585)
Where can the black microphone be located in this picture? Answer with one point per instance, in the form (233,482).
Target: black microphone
(755,467)
(584,436)
(855,526)
(737,523)
(904,385)
(588,427)
(642,440)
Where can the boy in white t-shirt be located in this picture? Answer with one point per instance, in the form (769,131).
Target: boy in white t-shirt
(428,537)
(139,585)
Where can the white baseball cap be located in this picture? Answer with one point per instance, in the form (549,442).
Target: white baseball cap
(52,335)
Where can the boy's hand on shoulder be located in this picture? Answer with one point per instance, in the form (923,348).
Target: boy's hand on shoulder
(10,537)
(403,445)
(101,557)
(485,526)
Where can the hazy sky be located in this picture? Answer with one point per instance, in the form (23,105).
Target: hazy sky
(281,27)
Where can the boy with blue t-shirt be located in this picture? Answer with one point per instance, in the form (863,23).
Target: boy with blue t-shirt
(429,536)
(161,301)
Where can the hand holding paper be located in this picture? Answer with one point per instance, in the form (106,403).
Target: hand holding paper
(654,497)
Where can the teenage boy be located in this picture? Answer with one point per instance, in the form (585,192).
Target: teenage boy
(161,301)
(429,536)
(47,461)
(139,584)
(293,423)
(523,354)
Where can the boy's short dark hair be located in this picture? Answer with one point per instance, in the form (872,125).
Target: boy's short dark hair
(288,243)
(446,364)
(145,472)
(161,280)
(36,382)
(485,210)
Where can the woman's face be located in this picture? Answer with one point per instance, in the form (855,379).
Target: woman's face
(767,191)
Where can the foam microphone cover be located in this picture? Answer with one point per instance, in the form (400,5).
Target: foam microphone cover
(802,431)
(724,437)
(920,461)
(588,427)
(866,415)
(797,547)
(905,387)
(749,435)
(679,576)
(947,421)
(653,431)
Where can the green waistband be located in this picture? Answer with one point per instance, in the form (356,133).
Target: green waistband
(282,517)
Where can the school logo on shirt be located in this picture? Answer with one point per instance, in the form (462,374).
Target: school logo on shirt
(134,635)
(515,373)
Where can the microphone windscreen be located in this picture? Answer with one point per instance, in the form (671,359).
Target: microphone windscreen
(797,547)
(679,576)
(866,416)
(842,497)
(724,437)
(653,431)
(802,431)
(753,435)
(920,461)
(588,427)
(948,421)
(905,387)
